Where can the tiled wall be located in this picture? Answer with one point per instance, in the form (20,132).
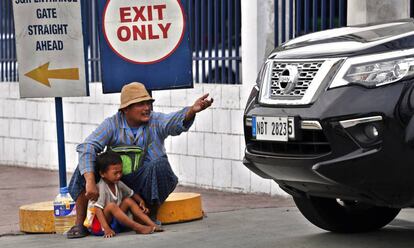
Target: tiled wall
(208,156)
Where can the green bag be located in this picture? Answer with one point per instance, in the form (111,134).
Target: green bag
(131,157)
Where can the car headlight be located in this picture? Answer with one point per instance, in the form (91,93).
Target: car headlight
(259,82)
(375,70)
(262,73)
(380,73)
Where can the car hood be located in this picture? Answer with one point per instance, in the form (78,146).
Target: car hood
(349,41)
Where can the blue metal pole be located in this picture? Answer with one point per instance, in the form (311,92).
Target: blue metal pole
(202,39)
(89,34)
(342,13)
(276,16)
(283,21)
(60,141)
(223,41)
(190,21)
(411,8)
(323,15)
(94,38)
(291,19)
(298,18)
(332,14)
(306,18)
(12,49)
(209,37)
(196,39)
(216,41)
(98,51)
(85,12)
(2,9)
(229,40)
(315,16)
(9,41)
(237,46)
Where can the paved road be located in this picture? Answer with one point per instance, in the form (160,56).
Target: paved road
(267,227)
(20,186)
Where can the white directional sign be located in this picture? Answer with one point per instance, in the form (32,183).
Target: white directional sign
(50,51)
(143,32)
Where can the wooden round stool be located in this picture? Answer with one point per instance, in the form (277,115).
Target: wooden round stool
(37,218)
(180,207)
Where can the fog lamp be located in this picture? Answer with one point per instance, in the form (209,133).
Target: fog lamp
(371,131)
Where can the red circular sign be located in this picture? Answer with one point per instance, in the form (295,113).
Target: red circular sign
(143,32)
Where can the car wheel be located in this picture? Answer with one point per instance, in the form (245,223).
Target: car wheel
(344,216)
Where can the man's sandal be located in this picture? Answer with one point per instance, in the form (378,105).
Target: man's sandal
(77,231)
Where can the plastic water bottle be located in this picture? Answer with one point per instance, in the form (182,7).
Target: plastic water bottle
(64,211)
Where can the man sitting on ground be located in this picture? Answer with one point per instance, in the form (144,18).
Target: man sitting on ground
(134,124)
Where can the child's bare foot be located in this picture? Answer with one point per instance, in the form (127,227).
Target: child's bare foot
(158,229)
(146,230)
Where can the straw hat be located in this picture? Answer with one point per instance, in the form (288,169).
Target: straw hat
(133,93)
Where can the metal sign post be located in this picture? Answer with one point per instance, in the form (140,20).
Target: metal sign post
(61,141)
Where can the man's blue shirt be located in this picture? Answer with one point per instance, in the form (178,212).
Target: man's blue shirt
(114,131)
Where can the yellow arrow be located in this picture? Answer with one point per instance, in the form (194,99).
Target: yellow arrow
(42,74)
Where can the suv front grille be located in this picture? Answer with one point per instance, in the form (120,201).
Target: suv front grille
(311,143)
(306,73)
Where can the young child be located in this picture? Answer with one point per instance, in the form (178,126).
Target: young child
(115,199)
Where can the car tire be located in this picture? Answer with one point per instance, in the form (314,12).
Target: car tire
(344,216)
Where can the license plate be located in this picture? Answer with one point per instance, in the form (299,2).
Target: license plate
(273,128)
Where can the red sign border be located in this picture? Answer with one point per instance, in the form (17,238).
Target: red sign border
(149,62)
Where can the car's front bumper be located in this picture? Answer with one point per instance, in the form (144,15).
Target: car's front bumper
(338,161)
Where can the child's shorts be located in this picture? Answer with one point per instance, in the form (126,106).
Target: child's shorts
(96,228)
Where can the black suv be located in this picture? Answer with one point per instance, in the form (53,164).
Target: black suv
(330,121)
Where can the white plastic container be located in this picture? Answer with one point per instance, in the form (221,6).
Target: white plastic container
(64,211)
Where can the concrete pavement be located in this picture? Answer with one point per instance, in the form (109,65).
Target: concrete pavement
(232,220)
(20,186)
(282,227)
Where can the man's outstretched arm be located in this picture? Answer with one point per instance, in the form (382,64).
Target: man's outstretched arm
(199,105)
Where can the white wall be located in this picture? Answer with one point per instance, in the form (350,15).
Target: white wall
(257,37)
(368,11)
(208,156)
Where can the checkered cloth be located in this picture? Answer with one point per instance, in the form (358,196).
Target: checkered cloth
(153,181)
